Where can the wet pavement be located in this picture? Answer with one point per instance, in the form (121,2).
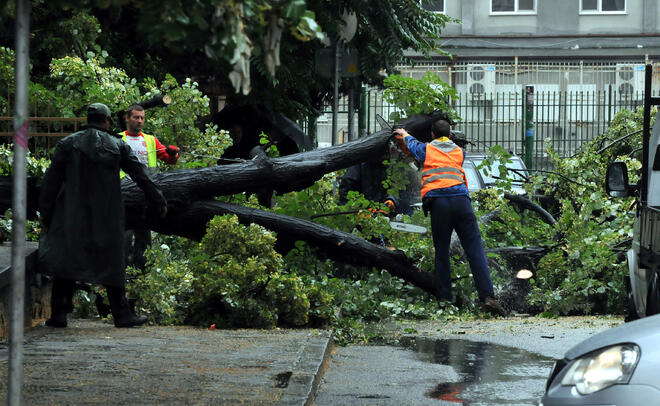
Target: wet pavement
(91,362)
(489,374)
(443,372)
(482,362)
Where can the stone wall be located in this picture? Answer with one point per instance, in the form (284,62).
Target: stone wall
(37,289)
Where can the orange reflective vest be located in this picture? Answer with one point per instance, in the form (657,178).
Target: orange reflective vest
(443,166)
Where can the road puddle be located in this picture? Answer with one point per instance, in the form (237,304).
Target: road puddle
(488,374)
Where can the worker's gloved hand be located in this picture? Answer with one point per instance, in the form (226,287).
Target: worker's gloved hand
(172,150)
(399,139)
(173,153)
(391,203)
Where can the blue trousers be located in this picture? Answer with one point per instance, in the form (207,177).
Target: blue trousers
(455,213)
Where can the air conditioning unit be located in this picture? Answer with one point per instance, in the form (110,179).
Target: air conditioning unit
(630,80)
(581,102)
(481,81)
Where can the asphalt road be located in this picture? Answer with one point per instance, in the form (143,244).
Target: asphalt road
(486,362)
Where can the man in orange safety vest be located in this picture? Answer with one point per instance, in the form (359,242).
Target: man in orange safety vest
(445,195)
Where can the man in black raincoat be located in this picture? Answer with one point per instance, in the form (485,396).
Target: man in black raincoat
(82,213)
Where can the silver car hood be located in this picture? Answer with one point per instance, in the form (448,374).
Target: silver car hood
(638,332)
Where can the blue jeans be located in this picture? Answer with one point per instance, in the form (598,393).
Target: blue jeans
(455,213)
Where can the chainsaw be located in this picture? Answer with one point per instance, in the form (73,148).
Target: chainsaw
(395,225)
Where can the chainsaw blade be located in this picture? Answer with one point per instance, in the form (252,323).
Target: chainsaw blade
(409,228)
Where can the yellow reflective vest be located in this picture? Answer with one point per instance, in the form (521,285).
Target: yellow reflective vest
(150,141)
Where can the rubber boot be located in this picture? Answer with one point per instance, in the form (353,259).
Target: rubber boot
(121,312)
(61,302)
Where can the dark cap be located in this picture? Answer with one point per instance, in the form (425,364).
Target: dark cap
(99,110)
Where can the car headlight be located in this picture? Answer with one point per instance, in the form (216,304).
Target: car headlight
(603,368)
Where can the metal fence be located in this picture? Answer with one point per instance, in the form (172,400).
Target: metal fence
(45,129)
(566,119)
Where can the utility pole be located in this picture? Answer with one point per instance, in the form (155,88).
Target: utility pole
(529,126)
(336,77)
(21,128)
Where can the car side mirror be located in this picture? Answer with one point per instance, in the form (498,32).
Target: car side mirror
(616,182)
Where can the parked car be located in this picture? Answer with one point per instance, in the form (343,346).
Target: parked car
(517,170)
(474,179)
(618,366)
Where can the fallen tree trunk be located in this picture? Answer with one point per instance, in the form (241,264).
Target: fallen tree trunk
(337,245)
(286,174)
(190,206)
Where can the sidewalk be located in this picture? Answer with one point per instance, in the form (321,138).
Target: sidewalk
(92,362)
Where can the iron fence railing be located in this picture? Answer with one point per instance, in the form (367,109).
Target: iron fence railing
(567,120)
(45,132)
(46,128)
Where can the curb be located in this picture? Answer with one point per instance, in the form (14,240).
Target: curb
(308,370)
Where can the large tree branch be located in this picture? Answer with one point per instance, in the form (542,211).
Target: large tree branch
(526,203)
(337,245)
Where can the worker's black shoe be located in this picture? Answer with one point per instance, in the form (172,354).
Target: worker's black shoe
(57,320)
(492,306)
(121,311)
(130,320)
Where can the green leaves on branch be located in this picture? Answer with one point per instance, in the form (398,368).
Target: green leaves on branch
(584,269)
(81,82)
(233,277)
(419,96)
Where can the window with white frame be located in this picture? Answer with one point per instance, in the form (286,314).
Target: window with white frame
(437,6)
(512,6)
(602,6)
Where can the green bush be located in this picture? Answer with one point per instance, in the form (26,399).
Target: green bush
(232,278)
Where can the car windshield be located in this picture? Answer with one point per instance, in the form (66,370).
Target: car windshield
(494,171)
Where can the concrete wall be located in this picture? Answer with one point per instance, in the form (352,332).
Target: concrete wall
(553,17)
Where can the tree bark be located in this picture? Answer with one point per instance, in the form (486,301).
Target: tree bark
(525,203)
(337,245)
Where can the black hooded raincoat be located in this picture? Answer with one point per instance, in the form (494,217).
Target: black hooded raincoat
(82,208)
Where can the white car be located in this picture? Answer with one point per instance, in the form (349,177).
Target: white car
(619,366)
(517,171)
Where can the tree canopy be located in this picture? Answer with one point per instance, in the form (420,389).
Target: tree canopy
(249,50)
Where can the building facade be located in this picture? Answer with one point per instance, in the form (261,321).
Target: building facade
(584,59)
(557,45)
